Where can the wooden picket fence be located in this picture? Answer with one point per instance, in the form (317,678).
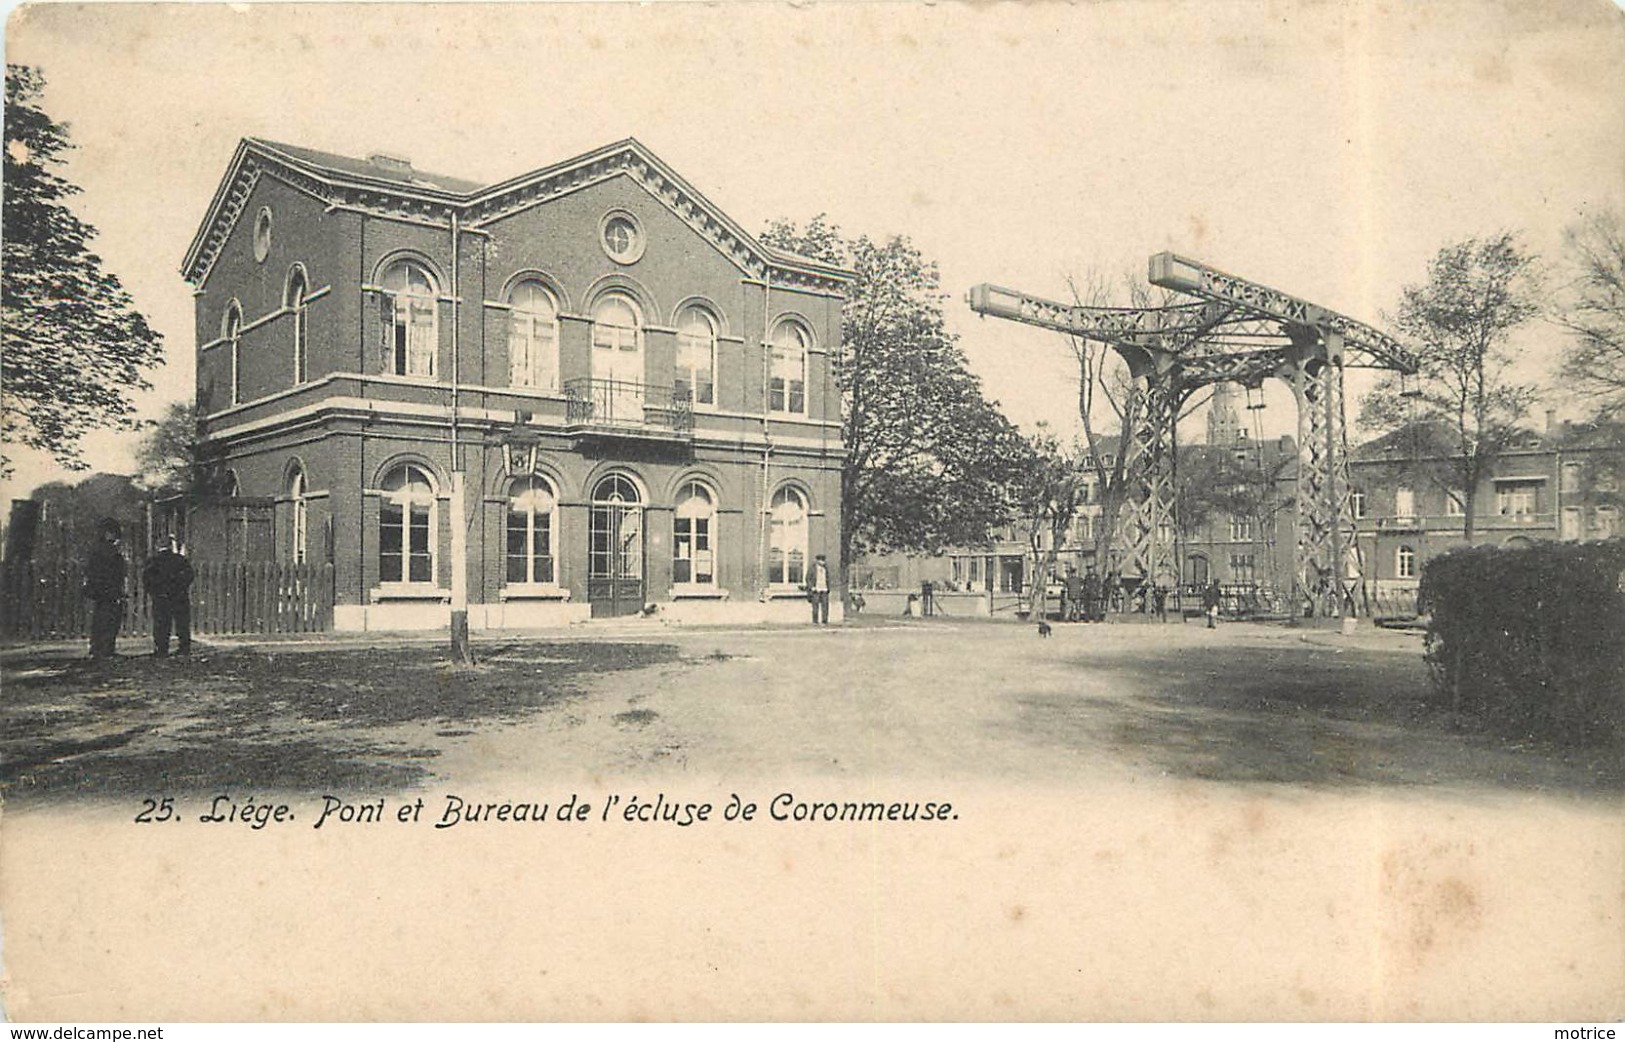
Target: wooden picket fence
(44,600)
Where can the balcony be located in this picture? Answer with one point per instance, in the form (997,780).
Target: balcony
(627,409)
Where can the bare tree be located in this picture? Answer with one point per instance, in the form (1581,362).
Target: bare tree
(1108,405)
(1595,311)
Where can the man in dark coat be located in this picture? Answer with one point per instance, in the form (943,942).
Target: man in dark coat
(1211,597)
(168,577)
(104,585)
(1091,596)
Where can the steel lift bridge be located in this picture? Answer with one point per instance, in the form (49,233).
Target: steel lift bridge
(1231,331)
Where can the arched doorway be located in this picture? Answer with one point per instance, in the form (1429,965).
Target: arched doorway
(615,548)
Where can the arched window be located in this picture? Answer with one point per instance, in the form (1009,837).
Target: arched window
(1405,562)
(406,527)
(787,377)
(787,561)
(231,330)
(615,325)
(295,302)
(299,531)
(693,531)
(533,337)
(411,332)
(617,361)
(696,356)
(531,507)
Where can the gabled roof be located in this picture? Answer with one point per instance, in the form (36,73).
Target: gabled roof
(1595,434)
(1435,439)
(392,188)
(332,163)
(1419,438)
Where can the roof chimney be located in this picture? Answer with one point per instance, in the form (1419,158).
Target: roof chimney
(392,164)
(1551,420)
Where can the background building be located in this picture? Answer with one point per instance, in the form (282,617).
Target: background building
(581,391)
(1243,487)
(1562,482)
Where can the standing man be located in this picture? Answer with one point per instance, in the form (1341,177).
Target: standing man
(104,585)
(818,590)
(1210,603)
(1075,610)
(168,577)
(1090,590)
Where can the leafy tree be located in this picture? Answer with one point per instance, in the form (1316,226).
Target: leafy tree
(929,459)
(74,345)
(168,457)
(1595,312)
(1049,489)
(70,514)
(1211,483)
(1461,320)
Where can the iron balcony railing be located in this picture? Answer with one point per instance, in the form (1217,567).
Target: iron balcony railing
(628,405)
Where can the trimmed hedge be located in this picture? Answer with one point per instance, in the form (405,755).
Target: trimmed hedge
(1531,640)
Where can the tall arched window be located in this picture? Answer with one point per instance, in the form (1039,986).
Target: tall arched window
(692,538)
(617,361)
(231,330)
(787,378)
(406,527)
(531,506)
(787,561)
(411,332)
(299,531)
(295,302)
(696,356)
(1405,563)
(533,337)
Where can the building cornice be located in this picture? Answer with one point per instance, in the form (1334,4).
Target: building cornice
(424,413)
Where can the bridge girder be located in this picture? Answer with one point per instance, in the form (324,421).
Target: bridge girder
(1235,332)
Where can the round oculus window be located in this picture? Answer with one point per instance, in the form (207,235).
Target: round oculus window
(621,236)
(262,233)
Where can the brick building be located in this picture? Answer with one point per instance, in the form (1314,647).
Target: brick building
(586,384)
(1563,483)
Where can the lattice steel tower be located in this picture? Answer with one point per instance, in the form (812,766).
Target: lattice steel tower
(1231,331)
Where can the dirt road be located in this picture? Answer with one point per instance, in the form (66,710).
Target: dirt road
(1147,823)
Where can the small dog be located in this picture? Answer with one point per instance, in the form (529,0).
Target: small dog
(1043,628)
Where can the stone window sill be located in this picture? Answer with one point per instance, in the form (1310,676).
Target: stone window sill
(533,592)
(409,592)
(698,593)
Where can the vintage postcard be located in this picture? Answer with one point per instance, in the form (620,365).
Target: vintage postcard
(814,512)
